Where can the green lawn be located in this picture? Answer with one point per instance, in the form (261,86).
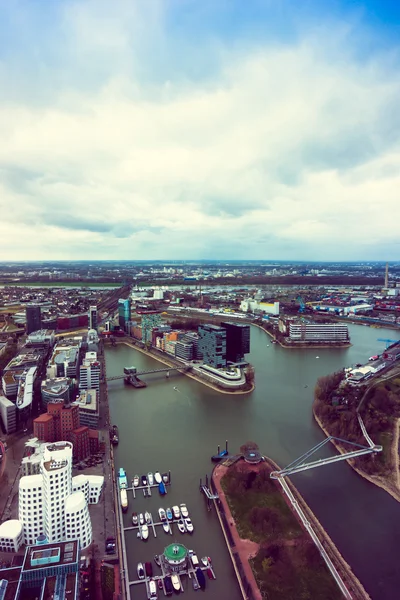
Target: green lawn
(288,566)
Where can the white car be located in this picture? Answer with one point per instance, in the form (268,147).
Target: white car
(184,511)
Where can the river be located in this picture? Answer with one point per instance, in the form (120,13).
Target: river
(177,424)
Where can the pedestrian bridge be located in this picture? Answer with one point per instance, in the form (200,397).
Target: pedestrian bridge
(133,372)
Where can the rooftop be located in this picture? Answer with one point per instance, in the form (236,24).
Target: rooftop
(175,552)
(67,553)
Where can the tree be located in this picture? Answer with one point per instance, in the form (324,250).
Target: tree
(248,447)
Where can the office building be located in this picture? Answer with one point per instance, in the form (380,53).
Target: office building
(184,350)
(48,571)
(89,372)
(318,332)
(88,408)
(8,413)
(33,318)
(237,341)
(149,322)
(64,359)
(80,440)
(56,390)
(43,428)
(212,345)
(42,338)
(192,337)
(47,503)
(93,317)
(92,340)
(124,312)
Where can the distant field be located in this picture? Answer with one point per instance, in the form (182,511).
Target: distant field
(62,284)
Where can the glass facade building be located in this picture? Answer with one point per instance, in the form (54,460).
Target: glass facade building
(212,345)
(124,312)
(237,341)
(33,318)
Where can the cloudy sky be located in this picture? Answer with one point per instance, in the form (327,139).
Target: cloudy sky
(188,129)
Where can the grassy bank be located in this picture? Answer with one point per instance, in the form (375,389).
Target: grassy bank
(288,565)
(335,408)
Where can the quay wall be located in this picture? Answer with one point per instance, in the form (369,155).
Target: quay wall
(170,363)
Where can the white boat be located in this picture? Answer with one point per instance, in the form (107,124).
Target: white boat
(147,517)
(150,479)
(166,526)
(136,481)
(184,511)
(176,582)
(176,512)
(124,500)
(140,570)
(181,526)
(134,518)
(193,558)
(204,560)
(152,589)
(157,477)
(189,525)
(141,519)
(144,530)
(162,514)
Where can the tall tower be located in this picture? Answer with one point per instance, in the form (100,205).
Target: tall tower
(93,317)
(33,318)
(56,470)
(387,276)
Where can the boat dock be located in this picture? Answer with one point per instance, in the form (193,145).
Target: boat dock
(208,493)
(190,572)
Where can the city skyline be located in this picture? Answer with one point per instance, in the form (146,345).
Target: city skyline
(192,131)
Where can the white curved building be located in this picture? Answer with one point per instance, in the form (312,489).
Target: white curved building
(77,519)
(11,536)
(56,470)
(30,507)
(90,485)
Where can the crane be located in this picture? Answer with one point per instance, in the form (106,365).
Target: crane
(387,342)
(302,304)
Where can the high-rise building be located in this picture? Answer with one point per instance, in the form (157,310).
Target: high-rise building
(237,341)
(43,427)
(56,390)
(124,312)
(149,322)
(80,440)
(212,345)
(89,372)
(191,337)
(33,318)
(93,317)
(47,503)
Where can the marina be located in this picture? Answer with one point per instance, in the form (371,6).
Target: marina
(284,430)
(185,566)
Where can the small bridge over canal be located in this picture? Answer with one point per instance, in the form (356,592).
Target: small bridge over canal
(130,372)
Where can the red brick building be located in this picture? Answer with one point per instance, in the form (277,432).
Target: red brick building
(43,428)
(94,441)
(80,440)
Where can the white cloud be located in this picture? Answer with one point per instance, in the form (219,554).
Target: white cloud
(288,152)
